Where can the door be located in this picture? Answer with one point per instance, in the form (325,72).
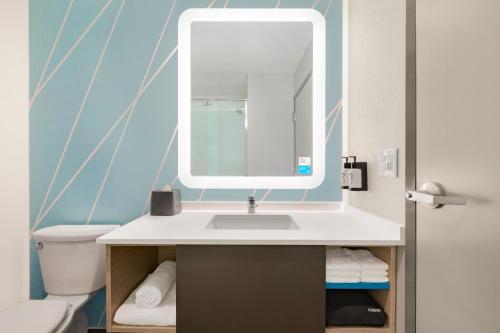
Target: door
(458,146)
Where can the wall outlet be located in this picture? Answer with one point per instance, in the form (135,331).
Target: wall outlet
(388,163)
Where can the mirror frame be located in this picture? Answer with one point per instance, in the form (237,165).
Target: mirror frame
(184,97)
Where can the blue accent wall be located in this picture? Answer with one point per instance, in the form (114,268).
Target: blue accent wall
(93,158)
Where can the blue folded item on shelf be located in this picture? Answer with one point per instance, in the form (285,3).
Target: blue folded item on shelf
(359,285)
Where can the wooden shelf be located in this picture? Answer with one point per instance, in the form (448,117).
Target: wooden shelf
(386,298)
(338,329)
(127,266)
(115,328)
(171,329)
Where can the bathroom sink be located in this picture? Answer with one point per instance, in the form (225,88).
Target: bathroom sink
(252,222)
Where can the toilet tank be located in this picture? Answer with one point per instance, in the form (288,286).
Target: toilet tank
(71,261)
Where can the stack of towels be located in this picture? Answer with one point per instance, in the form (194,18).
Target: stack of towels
(153,302)
(354,266)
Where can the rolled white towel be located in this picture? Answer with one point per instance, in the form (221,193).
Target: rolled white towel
(156,285)
(337,259)
(366,260)
(162,315)
(342,279)
(374,279)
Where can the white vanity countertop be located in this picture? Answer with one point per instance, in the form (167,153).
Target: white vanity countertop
(343,226)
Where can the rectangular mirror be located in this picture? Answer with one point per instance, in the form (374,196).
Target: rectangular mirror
(251,98)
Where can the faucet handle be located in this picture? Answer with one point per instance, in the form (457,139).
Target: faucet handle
(251,204)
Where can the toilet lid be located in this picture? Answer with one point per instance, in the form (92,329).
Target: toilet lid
(36,316)
(73,233)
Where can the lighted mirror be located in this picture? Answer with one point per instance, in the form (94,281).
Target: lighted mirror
(251,98)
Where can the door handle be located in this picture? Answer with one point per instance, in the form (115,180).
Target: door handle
(432,195)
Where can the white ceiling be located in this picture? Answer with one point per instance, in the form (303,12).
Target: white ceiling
(241,48)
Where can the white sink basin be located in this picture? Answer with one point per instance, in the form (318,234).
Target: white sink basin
(252,222)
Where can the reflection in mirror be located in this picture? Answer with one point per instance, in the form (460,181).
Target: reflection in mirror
(218,137)
(251,99)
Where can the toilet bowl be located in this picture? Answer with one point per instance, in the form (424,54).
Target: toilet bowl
(73,270)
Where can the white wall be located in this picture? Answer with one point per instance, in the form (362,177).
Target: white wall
(270,126)
(304,123)
(376,108)
(14,152)
(303,107)
(304,66)
(223,86)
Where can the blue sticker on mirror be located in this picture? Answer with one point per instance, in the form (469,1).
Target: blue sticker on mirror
(304,165)
(304,170)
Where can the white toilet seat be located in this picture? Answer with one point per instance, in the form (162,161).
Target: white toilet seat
(54,314)
(34,316)
(76,302)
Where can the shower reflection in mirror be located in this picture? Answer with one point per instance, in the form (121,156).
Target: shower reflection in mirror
(251,99)
(218,137)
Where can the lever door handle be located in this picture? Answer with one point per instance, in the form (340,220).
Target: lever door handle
(432,195)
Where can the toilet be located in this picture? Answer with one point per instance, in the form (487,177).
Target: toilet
(73,270)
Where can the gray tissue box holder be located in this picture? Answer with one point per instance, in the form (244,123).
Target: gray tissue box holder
(166,203)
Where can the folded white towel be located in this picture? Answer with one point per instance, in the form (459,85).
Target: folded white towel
(374,279)
(382,273)
(163,315)
(359,252)
(334,272)
(156,285)
(366,260)
(337,259)
(342,279)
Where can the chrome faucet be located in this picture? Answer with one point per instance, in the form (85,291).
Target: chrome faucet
(251,205)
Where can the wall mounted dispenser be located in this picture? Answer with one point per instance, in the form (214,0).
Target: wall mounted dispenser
(358,175)
(344,181)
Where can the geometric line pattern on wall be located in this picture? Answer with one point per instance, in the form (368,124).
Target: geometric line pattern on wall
(131,112)
(82,107)
(103,120)
(54,45)
(41,86)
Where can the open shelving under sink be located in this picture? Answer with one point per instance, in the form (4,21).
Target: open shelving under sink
(383,293)
(127,266)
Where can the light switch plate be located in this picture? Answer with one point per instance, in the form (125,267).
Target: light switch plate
(388,163)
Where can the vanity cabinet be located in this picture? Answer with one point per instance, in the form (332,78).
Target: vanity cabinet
(248,289)
(239,288)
